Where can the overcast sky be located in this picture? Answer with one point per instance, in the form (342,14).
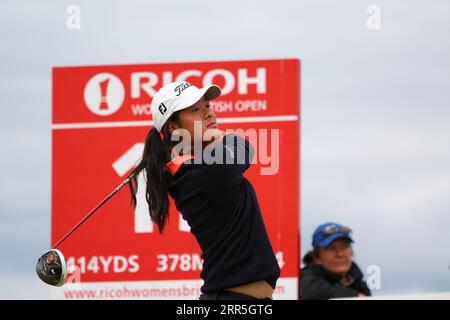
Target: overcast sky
(375,114)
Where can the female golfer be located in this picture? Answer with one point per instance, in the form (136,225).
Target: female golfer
(210,191)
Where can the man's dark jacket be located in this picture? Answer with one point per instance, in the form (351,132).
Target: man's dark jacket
(316,283)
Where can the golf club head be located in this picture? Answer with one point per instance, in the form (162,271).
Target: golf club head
(51,268)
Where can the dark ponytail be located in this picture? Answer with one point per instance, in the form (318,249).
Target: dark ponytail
(157,152)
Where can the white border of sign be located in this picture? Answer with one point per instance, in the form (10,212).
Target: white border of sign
(153,290)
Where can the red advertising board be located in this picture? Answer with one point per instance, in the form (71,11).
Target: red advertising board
(101,115)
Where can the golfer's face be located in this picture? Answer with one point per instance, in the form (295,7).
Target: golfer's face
(201,115)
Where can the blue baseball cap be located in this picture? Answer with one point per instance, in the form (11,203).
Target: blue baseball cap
(326,233)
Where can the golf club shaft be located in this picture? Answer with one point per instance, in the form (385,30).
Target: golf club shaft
(94,210)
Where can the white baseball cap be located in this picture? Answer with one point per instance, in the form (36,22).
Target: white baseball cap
(177,96)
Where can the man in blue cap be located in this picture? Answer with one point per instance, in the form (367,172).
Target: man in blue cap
(329,270)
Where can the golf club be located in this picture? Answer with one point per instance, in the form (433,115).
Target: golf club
(51,266)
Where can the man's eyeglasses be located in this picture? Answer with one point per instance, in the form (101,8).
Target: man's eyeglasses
(332,229)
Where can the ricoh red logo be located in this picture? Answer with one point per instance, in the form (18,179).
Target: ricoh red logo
(240,81)
(104,94)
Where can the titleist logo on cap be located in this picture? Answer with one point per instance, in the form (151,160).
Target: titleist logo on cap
(179,89)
